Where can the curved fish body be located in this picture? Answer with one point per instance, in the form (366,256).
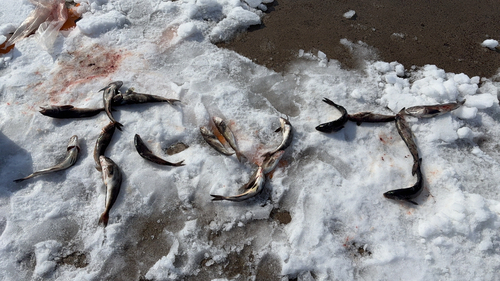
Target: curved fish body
(228,135)
(131,97)
(147,154)
(107,97)
(287,130)
(112,178)
(271,161)
(370,117)
(335,125)
(428,111)
(255,187)
(69,111)
(406,194)
(404,131)
(70,159)
(213,141)
(102,143)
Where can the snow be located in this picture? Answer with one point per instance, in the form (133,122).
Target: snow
(490,43)
(321,216)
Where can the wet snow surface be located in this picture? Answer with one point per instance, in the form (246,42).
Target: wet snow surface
(321,216)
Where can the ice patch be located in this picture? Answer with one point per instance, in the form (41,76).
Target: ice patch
(349,14)
(237,19)
(481,101)
(46,252)
(94,26)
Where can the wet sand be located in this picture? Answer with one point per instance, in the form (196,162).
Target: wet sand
(445,33)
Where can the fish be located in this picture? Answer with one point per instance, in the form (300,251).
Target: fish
(131,97)
(213,141)
(255,186)
(112,178)
(406,194)
(147,154)
(369,117)
(407,136)
(271,161)
(428,111)
(336,125)
(71,156)
(69,111)
(102,143)
(107,96)
(228,135)
(287,130)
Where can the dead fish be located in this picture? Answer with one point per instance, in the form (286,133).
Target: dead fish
(213,141)
(107,96)
(287,130)
(69,111)
(407,136)
(428,111)
(147,154)
(71,156)
(102,143)
(406,194)
(370,117)
(335,125)
(271,161)
(112,178)
(255,186)
(228,135)
(131,97)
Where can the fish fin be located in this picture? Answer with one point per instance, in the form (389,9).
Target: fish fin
(413,202)
(277,130)
(103,89)
(104,219)
(19,180)
(217,197)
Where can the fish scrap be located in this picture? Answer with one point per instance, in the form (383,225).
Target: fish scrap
(287,130)
(428,111)
(214,142)
(406,134)
(228,136)
(336,125)
(407,194)
(71,156)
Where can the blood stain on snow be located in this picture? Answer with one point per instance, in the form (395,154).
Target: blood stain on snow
(83,66)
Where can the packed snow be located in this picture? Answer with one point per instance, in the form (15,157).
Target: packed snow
(321,215)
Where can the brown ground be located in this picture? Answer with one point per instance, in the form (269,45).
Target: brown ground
(445,33)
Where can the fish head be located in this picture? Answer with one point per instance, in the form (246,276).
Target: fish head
(73,142)
(392,195)
(205,131)
(116,84)
(217,120)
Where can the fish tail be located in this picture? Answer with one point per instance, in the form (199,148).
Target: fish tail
(181,163)
(217,197)
(104,219)
(172,101)
(239,155)
(118,125)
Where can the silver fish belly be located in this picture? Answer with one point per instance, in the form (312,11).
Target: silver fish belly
(255,187)
(71,156)
(228,135)
(131,97)
(271,161)
(112,178)
(213,141)
(107,96)
(428,111)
